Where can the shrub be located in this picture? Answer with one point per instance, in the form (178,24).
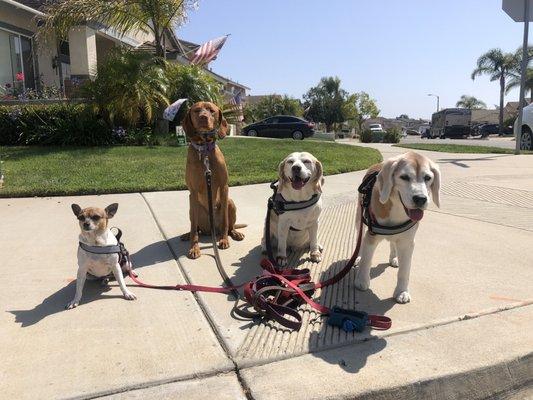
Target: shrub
(130,88)
(393,135)
(366,136)
(53,124)
(191,82)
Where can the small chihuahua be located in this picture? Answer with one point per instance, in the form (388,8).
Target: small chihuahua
(95,232)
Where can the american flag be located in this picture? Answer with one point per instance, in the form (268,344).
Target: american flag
(208,51)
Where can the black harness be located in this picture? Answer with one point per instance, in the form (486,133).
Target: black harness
(279,205)
(374,227)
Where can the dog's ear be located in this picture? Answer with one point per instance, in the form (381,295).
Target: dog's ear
(76,209)
(186,124)
(435,185)
(222,125)
(386,179)
(318,179)
(111,210)
(282,178)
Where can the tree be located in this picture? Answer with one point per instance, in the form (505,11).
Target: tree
(324,102)
(499,66)
(514,82)
(273,105)
(148,16)
(359,107)
(130,87)
(192,83)
(470,102)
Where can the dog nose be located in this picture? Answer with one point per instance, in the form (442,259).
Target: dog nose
(86,225)
(419,200)
(296,168)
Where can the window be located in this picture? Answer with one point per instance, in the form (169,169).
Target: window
(16,63)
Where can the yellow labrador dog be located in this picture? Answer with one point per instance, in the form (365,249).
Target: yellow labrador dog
(404,187)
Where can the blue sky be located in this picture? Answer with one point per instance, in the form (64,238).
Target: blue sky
(397,51)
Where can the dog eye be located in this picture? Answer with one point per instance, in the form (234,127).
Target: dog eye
(404,178)
(290,161)
(427,178)
(81,217)
(307,161)
(95,217)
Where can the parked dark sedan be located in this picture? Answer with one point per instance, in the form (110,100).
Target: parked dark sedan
(281,126)
(493,129)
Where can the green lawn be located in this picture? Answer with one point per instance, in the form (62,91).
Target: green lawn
(47,171)
(459,148)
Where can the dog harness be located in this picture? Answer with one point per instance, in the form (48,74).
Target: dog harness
(279,205)
(368,217)
(124,259)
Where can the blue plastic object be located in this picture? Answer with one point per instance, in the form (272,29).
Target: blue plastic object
(348,320)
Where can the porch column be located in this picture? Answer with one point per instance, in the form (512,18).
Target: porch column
(82,45)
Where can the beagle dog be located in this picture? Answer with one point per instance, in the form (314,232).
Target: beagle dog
(203,124)
(300,186)
(404,187)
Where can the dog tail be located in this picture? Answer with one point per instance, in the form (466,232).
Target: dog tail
(239,226)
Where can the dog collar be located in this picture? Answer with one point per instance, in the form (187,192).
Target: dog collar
(205,147)
(279,205)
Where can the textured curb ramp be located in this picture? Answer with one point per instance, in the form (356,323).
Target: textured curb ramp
(269,340)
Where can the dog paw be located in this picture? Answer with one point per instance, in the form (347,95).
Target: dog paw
(235,235)
(223,244)
(194,252)
(403,297)
(362,282)
(71,305)
(130,296)
(316,256)
(281,261)
(394,262)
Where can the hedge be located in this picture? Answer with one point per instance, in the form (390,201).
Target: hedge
(53,124)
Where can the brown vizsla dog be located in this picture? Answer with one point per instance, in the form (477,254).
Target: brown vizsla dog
(202,125)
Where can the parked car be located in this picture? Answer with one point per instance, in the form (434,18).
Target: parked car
(375,127)
(526,138)
(281,126)
(493,129)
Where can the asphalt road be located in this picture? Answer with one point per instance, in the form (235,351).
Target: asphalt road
(492,141)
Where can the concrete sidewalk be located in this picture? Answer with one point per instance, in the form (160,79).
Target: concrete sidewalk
(466,334)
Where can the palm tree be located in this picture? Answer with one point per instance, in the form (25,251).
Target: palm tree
(130,87)
(514,82)
(470,102)
(499,66)
(148,16)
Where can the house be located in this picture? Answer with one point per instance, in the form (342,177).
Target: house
(26,64)
(511,108)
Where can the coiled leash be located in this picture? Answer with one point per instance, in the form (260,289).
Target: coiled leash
(277,293)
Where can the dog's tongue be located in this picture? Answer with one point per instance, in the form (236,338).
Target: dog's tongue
(297,183)
(416,214)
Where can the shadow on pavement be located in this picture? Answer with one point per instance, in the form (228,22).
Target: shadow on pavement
(57,301)
(345,295)
(460,161)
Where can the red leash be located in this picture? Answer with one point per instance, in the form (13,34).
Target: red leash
(276,293)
